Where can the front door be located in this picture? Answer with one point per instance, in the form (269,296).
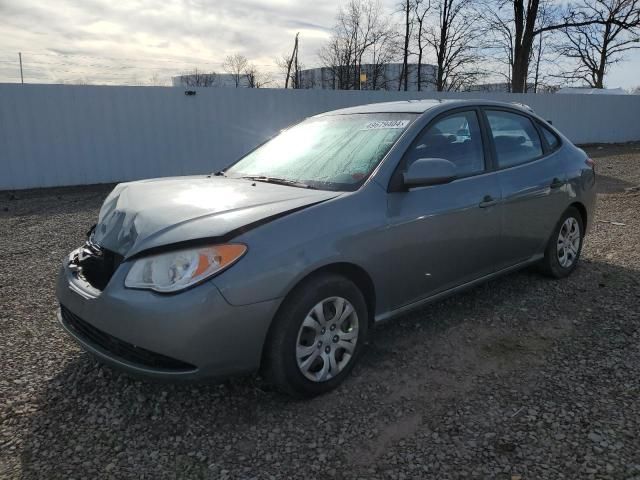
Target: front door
(445,235)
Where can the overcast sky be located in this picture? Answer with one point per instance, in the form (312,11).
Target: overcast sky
(133,41)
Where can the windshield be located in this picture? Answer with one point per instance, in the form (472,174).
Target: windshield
(335,152)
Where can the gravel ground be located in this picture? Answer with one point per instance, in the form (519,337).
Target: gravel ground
(523,378)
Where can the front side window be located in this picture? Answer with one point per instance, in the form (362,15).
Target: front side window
(335,152)
(456,138)
(515,138)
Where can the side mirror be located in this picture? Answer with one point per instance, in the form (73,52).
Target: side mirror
(429,171)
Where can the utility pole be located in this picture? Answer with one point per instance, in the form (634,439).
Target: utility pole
(21,76)
(294,54)
(296,66)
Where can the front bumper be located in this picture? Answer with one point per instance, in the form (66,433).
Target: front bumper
(141,331)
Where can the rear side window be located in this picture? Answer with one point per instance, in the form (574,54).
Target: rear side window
(456,138)
(515,138)
(550,137)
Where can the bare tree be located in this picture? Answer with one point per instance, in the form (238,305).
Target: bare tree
(499,39)
(384,50)
(539,62)
(292,73)
(336,56)
(522,19)
(597,46)
(420,10)
(197,78)
(377,46)
(287,62)
(361,17)
(537,54)
(236,66)
(406,8)
(454,40)
(524,33)
(362,34)
(256,78)
(156,80)
(282,62)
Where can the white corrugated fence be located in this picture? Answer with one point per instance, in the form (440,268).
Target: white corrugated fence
(55,135)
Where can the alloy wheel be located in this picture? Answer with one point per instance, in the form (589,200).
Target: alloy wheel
(568,244)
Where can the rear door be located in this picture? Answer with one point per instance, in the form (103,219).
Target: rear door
(441,236)
(532,182)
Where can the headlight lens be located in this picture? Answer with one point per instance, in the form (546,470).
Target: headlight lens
(180,269)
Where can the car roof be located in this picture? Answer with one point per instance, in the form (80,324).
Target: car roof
(420,106)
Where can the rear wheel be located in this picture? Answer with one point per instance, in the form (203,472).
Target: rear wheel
(317,336)
(564,247)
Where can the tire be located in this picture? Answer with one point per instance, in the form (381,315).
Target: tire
(559,262)
(301,331)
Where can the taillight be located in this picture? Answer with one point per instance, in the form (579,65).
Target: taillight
(590,162)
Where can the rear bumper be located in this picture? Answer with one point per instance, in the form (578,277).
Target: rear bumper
(191,335)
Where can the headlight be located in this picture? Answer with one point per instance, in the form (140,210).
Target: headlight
(180,269)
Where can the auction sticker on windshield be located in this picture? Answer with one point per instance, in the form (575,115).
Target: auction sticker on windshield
(379,124)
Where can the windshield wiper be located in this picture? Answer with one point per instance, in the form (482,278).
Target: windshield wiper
(277,181)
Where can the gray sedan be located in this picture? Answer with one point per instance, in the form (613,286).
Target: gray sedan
(284,261)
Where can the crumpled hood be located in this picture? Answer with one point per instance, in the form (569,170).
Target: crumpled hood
(140,215)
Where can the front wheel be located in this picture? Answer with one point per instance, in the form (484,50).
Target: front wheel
(317,336)
(564,247)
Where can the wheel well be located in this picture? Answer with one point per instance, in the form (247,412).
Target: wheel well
(583,213)
(349,270)
(357,275)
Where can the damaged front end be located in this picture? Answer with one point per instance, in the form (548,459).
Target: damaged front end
(93,264)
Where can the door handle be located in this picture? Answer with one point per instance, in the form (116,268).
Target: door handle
(557,183)
(487,201)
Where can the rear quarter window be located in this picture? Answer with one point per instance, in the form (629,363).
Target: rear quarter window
(515,138)
(552,139)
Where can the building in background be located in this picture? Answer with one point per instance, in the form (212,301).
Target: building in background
(374,77)
(500,87)
(505,87)
(370,77)
(197,79)
(593,91)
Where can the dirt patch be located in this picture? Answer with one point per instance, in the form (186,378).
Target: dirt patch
(523,376)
